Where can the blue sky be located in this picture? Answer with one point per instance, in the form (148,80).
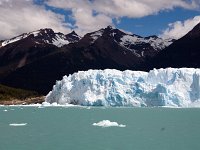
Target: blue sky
(152,24)
(155,24)
(168,19)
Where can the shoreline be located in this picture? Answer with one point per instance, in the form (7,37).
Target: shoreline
(28,101)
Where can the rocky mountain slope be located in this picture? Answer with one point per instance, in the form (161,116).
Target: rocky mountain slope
(37,59)
(30,47)
(184,52)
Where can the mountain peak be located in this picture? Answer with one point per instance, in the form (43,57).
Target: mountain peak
(45,36)
(110,27)
(47,31)
(73,32)
(73,37)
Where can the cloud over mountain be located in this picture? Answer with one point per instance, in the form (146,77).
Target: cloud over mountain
(21,16)
(178,29)
(90,15)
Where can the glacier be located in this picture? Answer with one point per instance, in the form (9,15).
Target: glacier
(168,87)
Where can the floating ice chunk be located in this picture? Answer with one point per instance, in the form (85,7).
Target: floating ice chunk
(5,110)
(18,124)
(108,123)
(41,106)
(46,104)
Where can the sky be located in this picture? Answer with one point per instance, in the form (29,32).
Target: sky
(165,18)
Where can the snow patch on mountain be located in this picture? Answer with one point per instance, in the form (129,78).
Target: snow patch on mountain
(159,43)
(164,87)
(47,36)
(59,41)
(127,39)
(96,35)
(15,39)
(20,37)
(155,42)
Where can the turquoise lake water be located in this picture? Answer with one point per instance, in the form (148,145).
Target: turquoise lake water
(58,128)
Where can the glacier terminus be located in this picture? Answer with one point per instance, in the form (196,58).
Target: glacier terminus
(158,88)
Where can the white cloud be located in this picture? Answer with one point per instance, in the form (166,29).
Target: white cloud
(178,29)
(86,20)
(125,8)
(18,16)
(90,15)
(139,8)
(24,16)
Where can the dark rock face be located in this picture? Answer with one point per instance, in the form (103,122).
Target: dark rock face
(29,47)
(194,33)
(73,37)
(38,60)
(21,53)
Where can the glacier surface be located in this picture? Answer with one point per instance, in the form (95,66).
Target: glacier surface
(163,87)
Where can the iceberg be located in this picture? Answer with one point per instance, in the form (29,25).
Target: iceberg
(108,123)
(18,124)
(168,87)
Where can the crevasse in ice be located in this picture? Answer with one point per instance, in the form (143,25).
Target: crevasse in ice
(163,87)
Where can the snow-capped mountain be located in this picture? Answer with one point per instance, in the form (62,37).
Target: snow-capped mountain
(140,46)
(30,57)
(155,42)
(72,37)
(164,87)
(38,66)
(24,49)
(46,36)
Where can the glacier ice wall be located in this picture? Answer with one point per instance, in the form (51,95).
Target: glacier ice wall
(163,87)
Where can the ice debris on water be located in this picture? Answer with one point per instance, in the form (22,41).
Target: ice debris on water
(18,124)
(108,123)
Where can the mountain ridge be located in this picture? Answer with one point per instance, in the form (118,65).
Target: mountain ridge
(106,48)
